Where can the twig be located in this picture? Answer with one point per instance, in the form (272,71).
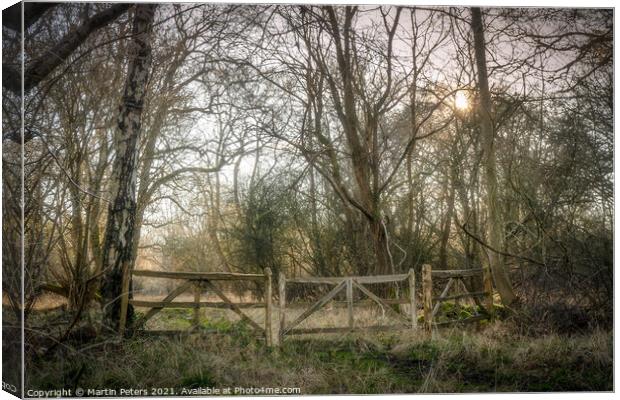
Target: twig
(503,253)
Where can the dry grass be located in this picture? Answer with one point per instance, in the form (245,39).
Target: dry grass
(457,360)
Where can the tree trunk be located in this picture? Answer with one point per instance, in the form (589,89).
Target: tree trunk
(447,223)
(213,224)
(118,246)
(494,225)
(380,247)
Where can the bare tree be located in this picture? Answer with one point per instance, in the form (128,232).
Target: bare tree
(37,69)
(494,224)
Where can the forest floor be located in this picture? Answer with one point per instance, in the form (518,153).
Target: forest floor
(488,358)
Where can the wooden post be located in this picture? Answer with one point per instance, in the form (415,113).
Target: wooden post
(412,300)
(427,284)
(268,333)
(457,301)
(197,291)
(282,293)
(487,281)
(350,301)
(124,301)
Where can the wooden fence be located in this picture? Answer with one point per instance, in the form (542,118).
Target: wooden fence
(348,284)
(198,282)
(454,277)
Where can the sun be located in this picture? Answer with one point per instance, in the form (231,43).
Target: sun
(461,100)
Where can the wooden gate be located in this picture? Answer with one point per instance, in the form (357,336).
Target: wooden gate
(455,278)
(198,282)
(348,284)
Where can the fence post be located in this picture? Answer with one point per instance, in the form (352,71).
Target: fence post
(427,284)
(197,291)
(412,299)
(455,291)
(124,301)
(282,299)
(488,287)
(350,301)
(268,333)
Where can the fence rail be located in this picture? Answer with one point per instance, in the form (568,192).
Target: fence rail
(193,304)
(211,276)
(360,279)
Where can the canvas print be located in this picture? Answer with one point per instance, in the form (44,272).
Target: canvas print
(206,199)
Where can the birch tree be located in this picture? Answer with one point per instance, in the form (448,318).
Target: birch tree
(118,245)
